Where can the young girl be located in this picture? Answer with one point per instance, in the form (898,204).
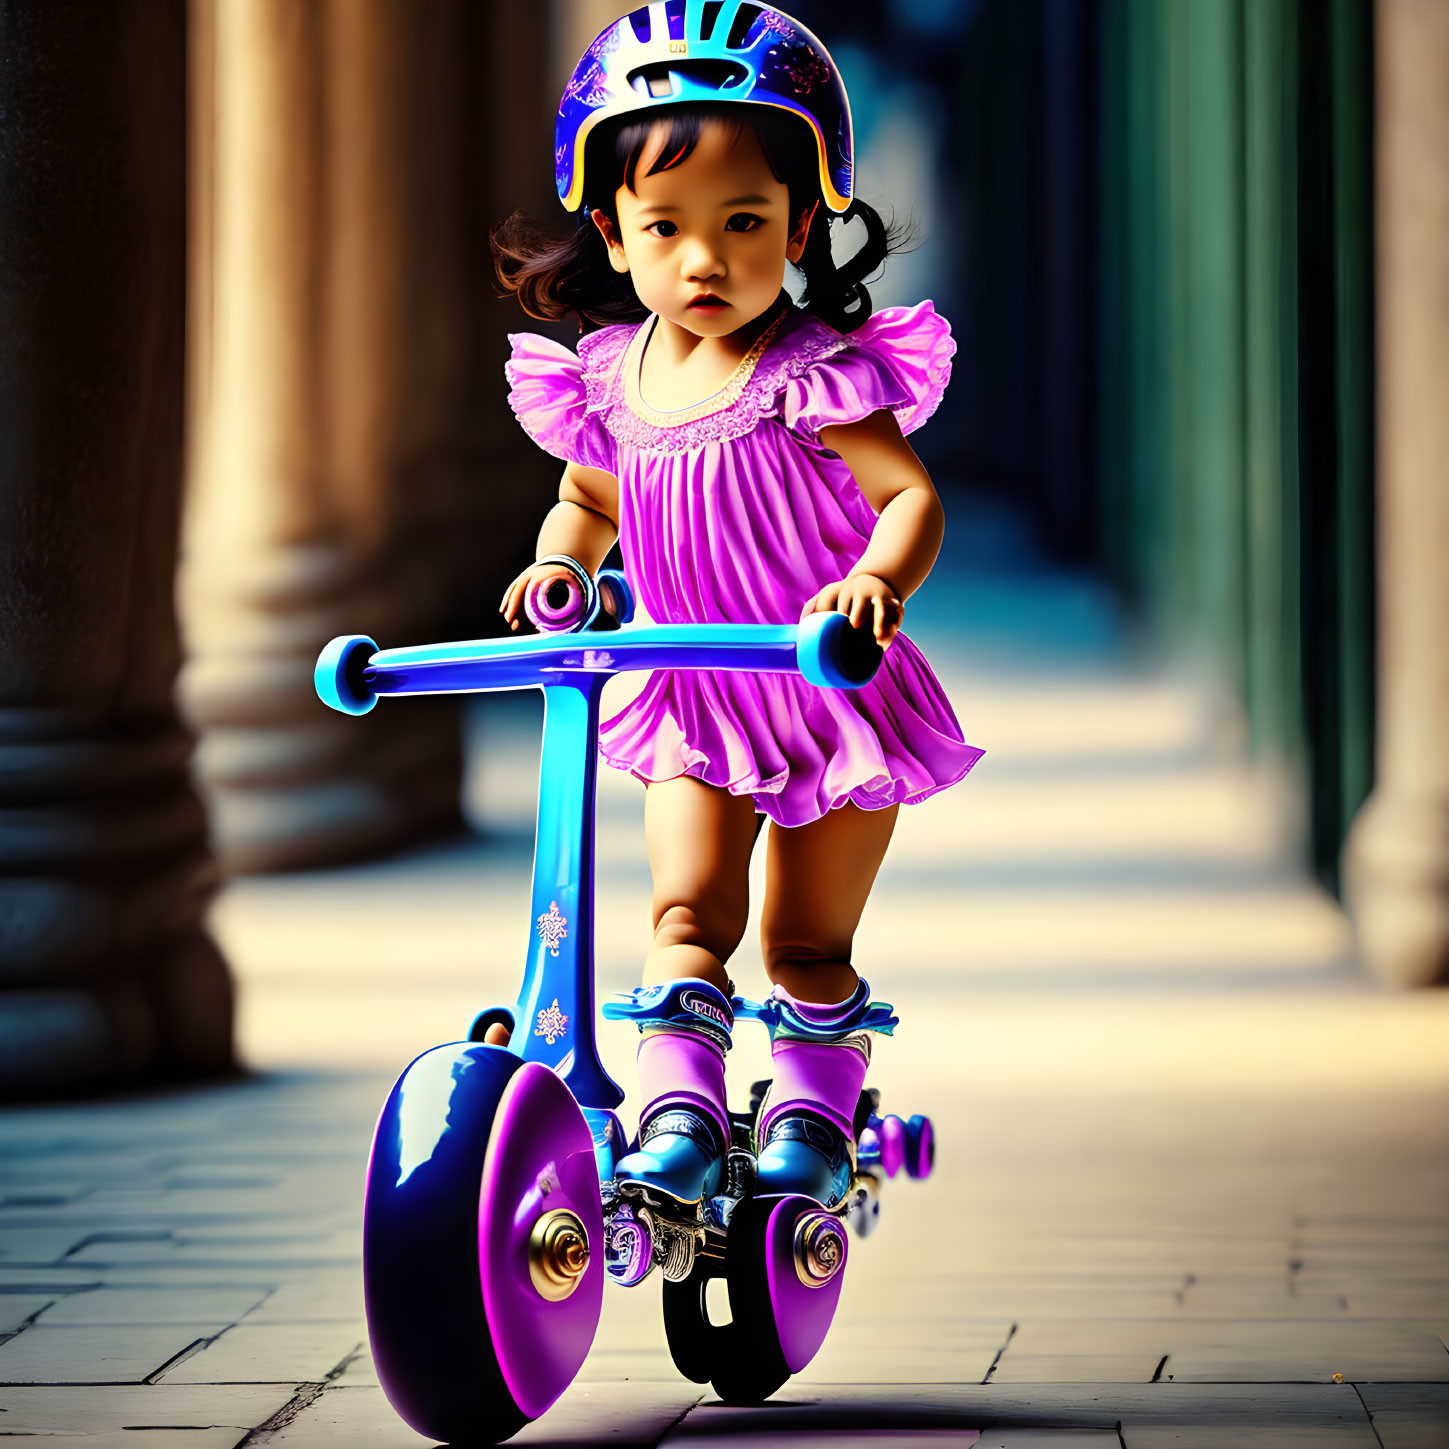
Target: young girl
(749,456)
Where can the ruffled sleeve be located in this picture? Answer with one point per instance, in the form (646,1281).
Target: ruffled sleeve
(899,358)
(550,396)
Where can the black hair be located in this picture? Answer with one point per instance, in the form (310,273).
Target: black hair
(553,279)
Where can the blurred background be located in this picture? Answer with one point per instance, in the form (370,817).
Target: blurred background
(1192,254)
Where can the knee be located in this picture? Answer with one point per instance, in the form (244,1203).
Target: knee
(716,926)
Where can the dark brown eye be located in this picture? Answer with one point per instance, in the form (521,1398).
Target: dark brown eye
(743,221)
(673,230)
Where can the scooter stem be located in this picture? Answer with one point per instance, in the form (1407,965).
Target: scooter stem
(555,1013)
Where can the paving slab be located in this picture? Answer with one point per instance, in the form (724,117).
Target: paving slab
(1079,1368)
(17,1309)
(188,1438)
(38,1244)
(1043,1439)
(903,1362)
(95,1410)
(95,1354)
(271,1353)
(623,1414)
(1221,1407)
(1408,1416)
(332,1296)
(152,1304)
(1279,1352)
(919,1438)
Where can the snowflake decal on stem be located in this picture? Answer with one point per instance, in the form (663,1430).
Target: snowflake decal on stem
(552,927)
(551,1024)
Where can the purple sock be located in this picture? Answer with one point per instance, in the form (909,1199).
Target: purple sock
(682,1067)
(823,1077)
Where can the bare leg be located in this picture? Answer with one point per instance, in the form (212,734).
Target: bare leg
(818,878)
(699,839)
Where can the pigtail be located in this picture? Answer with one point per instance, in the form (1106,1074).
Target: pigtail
(553,279)
(838,294)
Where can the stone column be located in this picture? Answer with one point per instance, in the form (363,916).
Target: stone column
(1396,863)
(348,474)
(105,971)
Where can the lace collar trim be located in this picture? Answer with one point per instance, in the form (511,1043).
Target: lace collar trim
(786,350)
(716,402)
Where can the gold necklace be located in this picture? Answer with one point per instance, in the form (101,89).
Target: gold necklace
(716,402)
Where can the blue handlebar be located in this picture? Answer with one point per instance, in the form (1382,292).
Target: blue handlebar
(823,648)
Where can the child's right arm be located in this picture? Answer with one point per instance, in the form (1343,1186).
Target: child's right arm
(583,524)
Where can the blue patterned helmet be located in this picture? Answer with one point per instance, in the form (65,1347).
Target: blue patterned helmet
(677,51)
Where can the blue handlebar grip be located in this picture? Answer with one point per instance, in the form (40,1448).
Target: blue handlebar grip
(338,675)
(833,655)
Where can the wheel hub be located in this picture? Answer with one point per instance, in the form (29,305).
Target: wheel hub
(819,1249)
(558,1254)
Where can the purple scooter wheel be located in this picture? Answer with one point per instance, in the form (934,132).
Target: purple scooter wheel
(542,1297)
(474,1151)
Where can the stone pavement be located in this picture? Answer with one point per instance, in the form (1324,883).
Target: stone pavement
(1193,1186)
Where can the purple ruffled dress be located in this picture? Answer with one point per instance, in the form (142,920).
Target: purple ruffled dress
(734,512)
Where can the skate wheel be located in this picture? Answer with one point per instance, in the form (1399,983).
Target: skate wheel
(482,1243)
(785,1261)
(867,1148)
(338,674)
(920,1147)
(892,1134)
(696,1345)
(628,1246)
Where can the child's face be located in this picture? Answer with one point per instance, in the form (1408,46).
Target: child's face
(718,224)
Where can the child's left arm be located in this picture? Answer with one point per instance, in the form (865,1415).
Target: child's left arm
(908,531)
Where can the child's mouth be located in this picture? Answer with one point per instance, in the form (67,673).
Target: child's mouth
(708,304)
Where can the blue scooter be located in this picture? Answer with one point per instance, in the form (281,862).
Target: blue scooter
(492,1217)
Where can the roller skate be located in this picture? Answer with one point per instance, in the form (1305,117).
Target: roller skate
(806,1129)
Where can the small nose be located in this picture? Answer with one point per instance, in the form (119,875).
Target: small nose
(701,262)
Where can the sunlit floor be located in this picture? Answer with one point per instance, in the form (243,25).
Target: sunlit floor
(1193,1186)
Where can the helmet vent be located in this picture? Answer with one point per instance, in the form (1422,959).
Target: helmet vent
(745,19)
(658,81)
(639,19)
(708,18)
